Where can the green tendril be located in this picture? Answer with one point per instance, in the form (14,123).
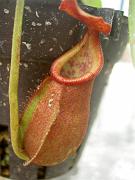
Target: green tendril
(14,81)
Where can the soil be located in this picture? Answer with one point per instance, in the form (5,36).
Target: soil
(4,152)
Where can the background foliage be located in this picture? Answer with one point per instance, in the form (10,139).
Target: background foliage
(94,3)
(98,3)
(132,28)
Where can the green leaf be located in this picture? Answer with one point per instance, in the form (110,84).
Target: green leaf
(94,3)
(132,28)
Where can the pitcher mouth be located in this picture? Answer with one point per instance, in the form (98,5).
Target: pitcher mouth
(80,64)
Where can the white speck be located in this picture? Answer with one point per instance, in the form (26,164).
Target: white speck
(54,39)
(4,104)
(28,45)
(70,32)
(25,65)
(106,37)
(55,20)
(5,94)
(42,41)
(51,49)
(0,78)
(52,95)
(28,9)
(36,24)
(8,67)
(5,82)
(6,11)
(49,105)
(37,14)
(50,102)
(0,63)
(47,23)
(61,48)
(39,24)
(33,23)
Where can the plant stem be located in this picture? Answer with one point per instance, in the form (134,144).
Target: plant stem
(14,80)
